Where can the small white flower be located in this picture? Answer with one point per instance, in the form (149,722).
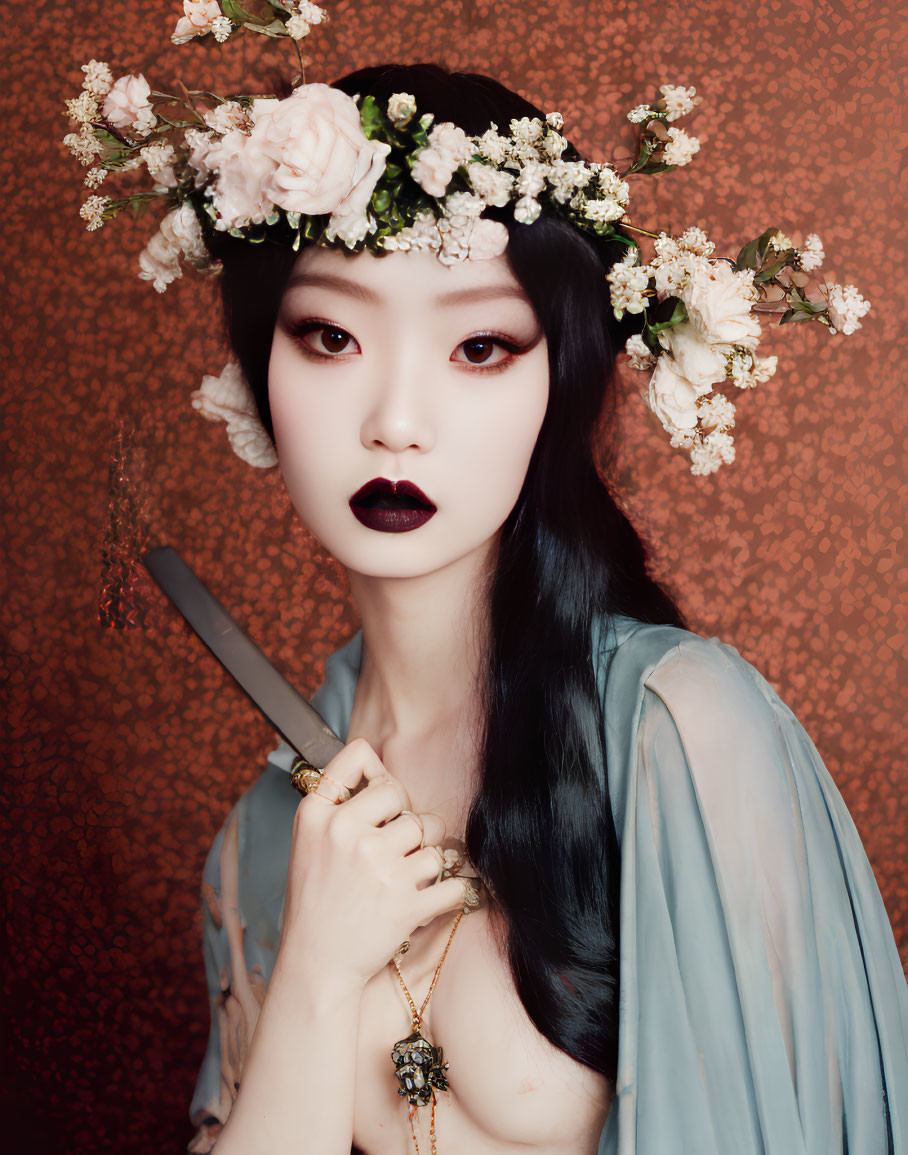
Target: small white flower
(310,12)
(98,78)
(421,236)
(678,100)
(845,307)
(680,148)
(492,147)
(568,176)
(84,109)
(628,285)
(84,145)
(526,210)
(553,145)
(715,411)
(95,176)
(603,211)
(159,159)
(531,179)
(780,243)
(694,240)
(639,354)
(92,211)
(493,185)
(526,130)
(226,116)
(812,254)
(221,28)
(641,113)
(612,184)
(708,455)
(401,109)
(297,27)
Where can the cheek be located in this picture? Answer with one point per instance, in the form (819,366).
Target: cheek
(501,438)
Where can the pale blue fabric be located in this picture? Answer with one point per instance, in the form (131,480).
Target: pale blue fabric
(763,1007)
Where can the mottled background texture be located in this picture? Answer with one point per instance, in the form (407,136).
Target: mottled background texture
(126,747)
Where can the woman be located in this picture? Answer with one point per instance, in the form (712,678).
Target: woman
(681,945)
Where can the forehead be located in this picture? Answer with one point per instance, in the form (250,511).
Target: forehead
(413,276)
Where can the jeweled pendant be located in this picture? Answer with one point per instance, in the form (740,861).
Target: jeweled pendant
(420,1069)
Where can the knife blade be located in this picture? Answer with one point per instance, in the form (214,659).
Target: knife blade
(284,707)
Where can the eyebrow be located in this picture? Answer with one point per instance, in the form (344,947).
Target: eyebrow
(362,293)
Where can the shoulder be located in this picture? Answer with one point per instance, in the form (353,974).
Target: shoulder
(694,675)
(676,703)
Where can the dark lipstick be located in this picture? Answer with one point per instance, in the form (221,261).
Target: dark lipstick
(391,506)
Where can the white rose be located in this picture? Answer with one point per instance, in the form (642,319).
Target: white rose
(701,364)
(127,107)
(672,397)
(719,302)
(320,155)
(243,169)
(199,17)
(228,398)
(159,262)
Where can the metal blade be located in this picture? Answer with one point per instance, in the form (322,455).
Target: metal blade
(283,706)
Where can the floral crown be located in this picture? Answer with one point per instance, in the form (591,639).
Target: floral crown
(321,167)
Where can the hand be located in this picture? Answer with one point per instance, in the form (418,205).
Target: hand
(358,883)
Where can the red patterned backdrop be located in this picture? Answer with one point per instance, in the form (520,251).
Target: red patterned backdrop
(126,747)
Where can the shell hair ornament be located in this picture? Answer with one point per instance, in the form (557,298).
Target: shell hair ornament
(321,167)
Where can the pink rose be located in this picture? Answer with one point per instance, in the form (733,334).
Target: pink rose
(718,303)
(127,107)
(320,159)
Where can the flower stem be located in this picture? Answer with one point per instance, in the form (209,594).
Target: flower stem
(637,229)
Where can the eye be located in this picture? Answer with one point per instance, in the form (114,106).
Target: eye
(486,351)
(324,339)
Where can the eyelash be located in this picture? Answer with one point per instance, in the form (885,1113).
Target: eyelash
(301,329)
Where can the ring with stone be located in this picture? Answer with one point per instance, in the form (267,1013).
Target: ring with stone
(304,776)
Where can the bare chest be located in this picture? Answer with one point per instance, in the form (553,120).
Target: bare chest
(508,1086)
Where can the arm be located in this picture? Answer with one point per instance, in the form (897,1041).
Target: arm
(357,885)
(763,1006)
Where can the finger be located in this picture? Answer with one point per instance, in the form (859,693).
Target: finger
(441,898)
(354,762)
(411,831)
(423,867)
(381,800)
(404,833)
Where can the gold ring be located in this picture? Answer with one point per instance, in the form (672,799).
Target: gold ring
(401,950)
(336,793)
(304,776)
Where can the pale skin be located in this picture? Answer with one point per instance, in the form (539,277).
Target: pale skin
(401,368)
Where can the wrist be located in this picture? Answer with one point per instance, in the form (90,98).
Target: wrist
(324,986)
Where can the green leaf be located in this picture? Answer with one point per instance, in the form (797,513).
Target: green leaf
(381,200)
(667,314)
(236,12)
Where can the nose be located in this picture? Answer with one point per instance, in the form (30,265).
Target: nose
(398,416)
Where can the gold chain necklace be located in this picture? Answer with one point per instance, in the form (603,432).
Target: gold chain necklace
(419,1066)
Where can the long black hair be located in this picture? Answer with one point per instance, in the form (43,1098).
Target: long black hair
(540,830)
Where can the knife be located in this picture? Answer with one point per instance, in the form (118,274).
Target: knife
(284,707)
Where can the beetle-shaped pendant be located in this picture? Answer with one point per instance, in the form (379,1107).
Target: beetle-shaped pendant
(420,1068)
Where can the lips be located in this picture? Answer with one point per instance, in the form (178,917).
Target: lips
(391,506)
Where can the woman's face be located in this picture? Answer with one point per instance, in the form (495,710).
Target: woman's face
(396,369)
